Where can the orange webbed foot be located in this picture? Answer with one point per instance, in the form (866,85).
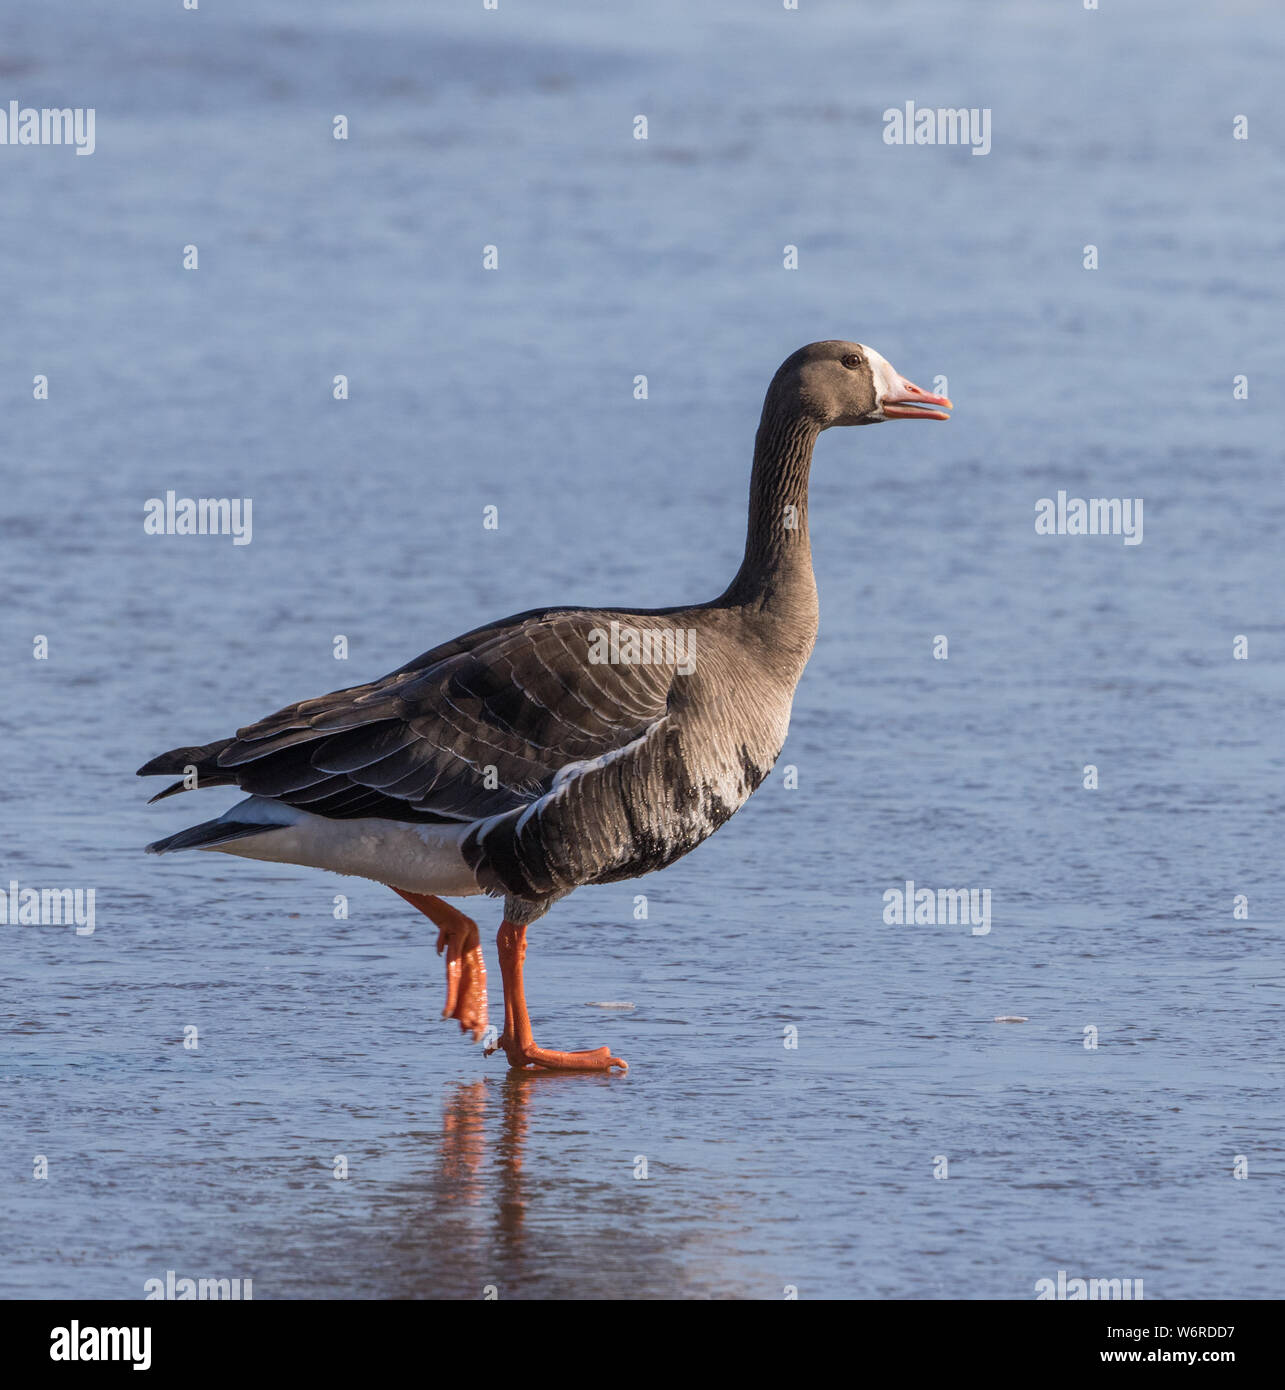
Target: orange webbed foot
(516,1041)
(465,979)
(465,968)
(551,1059)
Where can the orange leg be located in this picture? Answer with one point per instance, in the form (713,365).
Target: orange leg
(516,1040)
(465,968)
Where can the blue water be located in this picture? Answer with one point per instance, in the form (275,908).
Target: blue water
(766,1166)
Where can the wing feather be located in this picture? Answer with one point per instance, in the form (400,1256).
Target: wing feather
(476,728)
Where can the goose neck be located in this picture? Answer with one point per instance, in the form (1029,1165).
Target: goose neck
(777,567)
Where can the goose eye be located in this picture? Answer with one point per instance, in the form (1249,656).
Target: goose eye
(852,361)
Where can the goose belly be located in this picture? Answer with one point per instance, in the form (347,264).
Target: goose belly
(417,858)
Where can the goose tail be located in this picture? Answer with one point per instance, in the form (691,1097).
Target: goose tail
(206,836)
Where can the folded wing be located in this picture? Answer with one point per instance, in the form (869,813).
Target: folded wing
(475,728)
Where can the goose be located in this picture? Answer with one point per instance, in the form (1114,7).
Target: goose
(561,746)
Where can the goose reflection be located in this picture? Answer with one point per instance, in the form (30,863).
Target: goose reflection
(483,1139)
(524,1188)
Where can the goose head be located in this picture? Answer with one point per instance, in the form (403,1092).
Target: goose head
(840,383)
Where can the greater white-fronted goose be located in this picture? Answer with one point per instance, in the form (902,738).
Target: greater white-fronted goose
(562,746)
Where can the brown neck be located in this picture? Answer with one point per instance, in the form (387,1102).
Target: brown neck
(777,568)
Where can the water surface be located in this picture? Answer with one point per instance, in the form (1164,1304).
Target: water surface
(767,1166)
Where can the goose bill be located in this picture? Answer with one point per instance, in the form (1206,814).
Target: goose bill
(912,402)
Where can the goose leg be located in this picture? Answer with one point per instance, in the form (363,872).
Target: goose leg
(465,968)
(516,1041)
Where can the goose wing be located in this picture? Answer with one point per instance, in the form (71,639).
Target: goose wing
(475,728)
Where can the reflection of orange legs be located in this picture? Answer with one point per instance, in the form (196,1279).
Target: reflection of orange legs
(516,1040)
(464,1146)
(465,969)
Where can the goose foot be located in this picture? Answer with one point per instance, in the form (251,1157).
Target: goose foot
(465,979)
(465,969)
(592,1059)
(516,1042)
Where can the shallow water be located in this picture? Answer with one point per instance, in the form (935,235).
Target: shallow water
(766,1166)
